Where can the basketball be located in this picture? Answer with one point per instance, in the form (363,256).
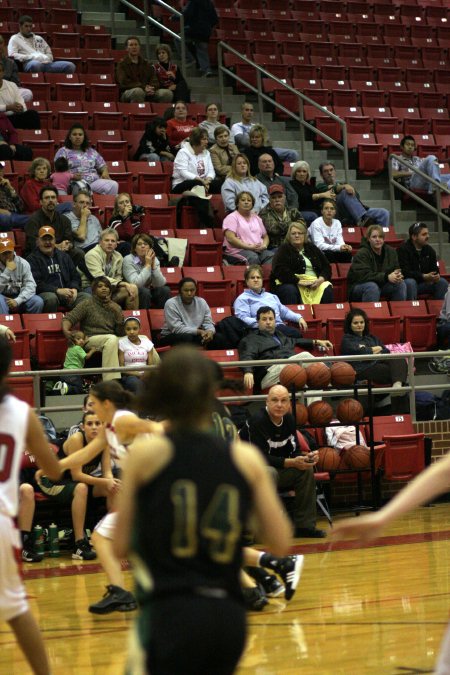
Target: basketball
(293,374)
(329,459)
(342,374)
(357,457)
(349,411)
(319,376)
(320,413)
(301,414)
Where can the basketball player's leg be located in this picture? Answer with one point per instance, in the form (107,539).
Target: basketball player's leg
(443,661)
(31,643)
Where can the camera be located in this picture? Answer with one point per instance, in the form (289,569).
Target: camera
(138,210)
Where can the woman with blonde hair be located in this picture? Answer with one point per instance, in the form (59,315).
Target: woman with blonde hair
(259,145)
(125,220)
(300,271)
(239,180)
(309,199)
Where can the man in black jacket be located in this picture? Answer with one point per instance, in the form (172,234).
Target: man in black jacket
(57,279)
(267,343)
(418,262)
(272,429)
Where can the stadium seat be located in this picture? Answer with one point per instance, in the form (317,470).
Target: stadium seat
(420,331)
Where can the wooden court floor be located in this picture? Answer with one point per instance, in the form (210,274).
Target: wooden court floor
(358,611)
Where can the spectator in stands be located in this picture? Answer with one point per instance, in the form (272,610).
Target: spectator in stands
(13,105)
(169,75)
(300,271)
(104,261)
(358,341)
(11,71)
(375,270)
(17,284)
(187,318)
(179,126)
(142,268)
(308,198)
(443,325)
(239,180)
(268,176)
(10,148)
(200,17)
(62,177)
(86,227)
(154,146)
(428,165)
(223,152)
(212,122)
(85,162)
(135,350)
(241,131)
(193,165)
(246,239)
(39,177)
(57,279)
(273,430)
(33,52)
(326,233)
(349,207)
(75,359)
(277,217)
(269,343)
(125,220)
(48,215)
(260,146)
(101,320)
(11,204)
(255,296)
(137,78)
(418,263)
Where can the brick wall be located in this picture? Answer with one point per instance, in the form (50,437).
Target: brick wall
(345,494)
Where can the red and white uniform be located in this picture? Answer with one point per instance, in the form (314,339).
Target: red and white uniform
(13,429)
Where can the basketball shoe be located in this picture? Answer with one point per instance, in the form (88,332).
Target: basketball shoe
(83,551)
(116,599)
(290,570)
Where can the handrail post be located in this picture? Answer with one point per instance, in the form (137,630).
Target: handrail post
(260,101)
(147,30)
(301,111)
(221,77)
(112,17)
(439,220)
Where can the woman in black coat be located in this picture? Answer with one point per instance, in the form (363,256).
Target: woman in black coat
(300,271)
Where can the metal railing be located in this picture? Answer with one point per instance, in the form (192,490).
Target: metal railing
(395,184)
(411,388)
(149,19)
(302,100)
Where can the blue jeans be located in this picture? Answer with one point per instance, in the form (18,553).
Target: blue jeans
(430,166)
(371,292)
(357,210)
(13,220)
(32,306)
(54,67)
(309,216)
(437,291)
(287,155)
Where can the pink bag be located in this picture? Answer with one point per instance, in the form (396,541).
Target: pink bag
(400,347)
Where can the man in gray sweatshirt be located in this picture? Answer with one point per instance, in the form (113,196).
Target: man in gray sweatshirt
(17,285)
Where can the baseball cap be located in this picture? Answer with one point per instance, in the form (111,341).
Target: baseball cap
(6,245)
(276,188)
(46,231)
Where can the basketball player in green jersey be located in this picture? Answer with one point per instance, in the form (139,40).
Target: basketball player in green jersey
(185,500)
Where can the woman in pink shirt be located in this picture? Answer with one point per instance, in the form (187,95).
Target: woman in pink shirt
(246,239)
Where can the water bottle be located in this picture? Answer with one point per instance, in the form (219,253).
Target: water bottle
(54,540)
(38,539)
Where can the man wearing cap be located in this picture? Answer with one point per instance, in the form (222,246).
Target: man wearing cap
(268,177)
(17,285)
(47,215)
(277,217)
(57,279)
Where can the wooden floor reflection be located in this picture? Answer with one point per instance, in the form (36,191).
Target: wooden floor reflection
(358,611)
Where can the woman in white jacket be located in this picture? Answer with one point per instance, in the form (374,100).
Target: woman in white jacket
(193,165)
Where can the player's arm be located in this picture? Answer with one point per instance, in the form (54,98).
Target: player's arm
(145,458)
(273,525)
(80,457)
(38,445)
(129,426)
(432,482)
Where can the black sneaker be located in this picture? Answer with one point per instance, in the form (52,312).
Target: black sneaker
(254,598)
(32,556)
(116,599)
(290,570)
(83,551)
(272,587)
